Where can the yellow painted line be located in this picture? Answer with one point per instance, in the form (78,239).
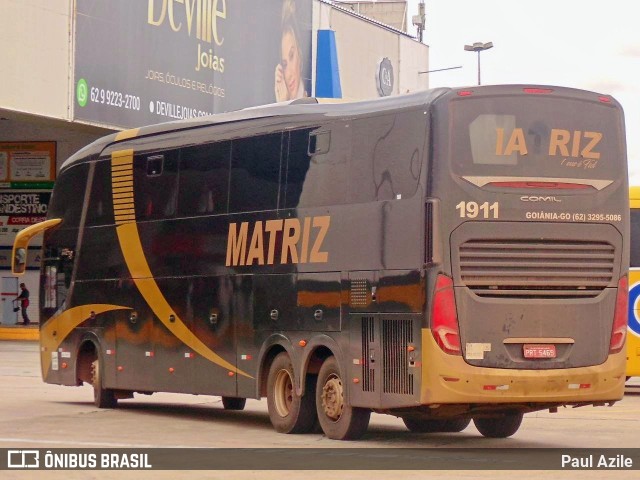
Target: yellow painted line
(127,134)
(121,213)
(123,195)
(122,157)
(124,177)
(122,183)
(58,328)
(19,333)
(122,168)
(119,201)
(123,190)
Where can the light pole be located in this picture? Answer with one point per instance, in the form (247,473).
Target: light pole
(478,47)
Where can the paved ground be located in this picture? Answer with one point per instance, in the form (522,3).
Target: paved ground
(37,415)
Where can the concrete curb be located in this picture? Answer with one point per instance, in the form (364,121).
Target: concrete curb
(20,333)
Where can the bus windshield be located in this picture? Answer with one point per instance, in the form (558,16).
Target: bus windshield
(522,136)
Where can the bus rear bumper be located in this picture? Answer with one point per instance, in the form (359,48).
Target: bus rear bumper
(449,379)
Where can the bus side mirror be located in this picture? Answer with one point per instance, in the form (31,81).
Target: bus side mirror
(20,261)
(21,243)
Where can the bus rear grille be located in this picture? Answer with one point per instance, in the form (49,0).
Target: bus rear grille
(531,268)
(368,337)
(396,337)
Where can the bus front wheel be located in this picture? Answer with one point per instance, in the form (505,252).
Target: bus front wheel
(502,426)
(288,412)
(338,420)
(102,397)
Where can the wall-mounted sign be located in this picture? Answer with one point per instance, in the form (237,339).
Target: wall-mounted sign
(27,164)
(18,210)
(150,61)
(384,77)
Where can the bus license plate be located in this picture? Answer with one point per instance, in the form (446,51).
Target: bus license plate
(539,351)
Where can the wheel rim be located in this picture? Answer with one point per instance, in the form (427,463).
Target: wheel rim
(333,398)
(283,393)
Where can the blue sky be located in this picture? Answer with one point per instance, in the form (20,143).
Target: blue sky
(586,44)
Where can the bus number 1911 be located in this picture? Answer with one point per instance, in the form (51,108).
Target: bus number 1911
(473,210)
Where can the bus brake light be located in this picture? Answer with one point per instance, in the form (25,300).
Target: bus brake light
(619,329)
(444,325)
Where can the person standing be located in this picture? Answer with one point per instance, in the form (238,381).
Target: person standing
(24,303)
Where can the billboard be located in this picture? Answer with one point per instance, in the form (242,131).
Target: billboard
(140,62)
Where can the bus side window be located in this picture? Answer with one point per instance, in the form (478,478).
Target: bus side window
(204,179)
(155,184)
(70,185)
(387,156)
(326,182)
(298,159)
(100,211)
(255,173)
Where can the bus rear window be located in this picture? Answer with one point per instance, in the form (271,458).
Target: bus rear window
(535,137)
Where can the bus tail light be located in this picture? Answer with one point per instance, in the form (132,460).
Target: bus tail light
(619,329)
(444,319)
(537,90)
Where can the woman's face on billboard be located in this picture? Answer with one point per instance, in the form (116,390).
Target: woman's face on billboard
(291,63)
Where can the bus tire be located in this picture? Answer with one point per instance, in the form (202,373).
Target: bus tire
(339,421)
(233,403)
(456,425)
(102,397)
(430,425)
(288,412)
(502,426)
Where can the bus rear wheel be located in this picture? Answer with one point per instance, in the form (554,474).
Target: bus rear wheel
(502,426)
(288,412)
(338,420)
(424,425)
(102,397)
(233,403)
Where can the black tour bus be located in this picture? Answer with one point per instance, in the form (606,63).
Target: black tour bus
(442,256)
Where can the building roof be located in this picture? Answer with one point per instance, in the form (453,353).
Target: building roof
(336,4)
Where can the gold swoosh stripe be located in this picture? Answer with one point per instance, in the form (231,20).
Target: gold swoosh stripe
(57,328)
(143,278)
(133,253)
